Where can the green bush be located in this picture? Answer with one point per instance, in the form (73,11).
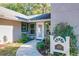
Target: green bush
(64,29)
(73,51)
(44,46)
(40,45)
(24,39)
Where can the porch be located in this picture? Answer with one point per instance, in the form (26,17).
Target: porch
(36,30)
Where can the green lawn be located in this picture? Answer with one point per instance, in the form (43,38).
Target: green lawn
(9,49)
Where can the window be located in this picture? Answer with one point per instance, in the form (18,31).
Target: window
(24,27)
(32,28)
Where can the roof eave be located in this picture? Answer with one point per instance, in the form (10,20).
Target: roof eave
(39,20)
(12,19)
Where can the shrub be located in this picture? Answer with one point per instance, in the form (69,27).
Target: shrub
(44,46)
(24,39)
(64,29)
(40,45)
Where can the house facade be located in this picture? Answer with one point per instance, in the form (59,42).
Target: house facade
(13,24)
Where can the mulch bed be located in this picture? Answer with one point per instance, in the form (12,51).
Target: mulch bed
(42,51)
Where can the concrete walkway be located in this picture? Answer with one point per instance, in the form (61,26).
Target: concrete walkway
(28,49)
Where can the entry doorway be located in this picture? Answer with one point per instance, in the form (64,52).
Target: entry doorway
(40,30)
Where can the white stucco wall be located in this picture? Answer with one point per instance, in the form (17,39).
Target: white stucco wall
(10,29)
(64,12)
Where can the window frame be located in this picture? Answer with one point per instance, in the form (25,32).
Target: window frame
(24,27)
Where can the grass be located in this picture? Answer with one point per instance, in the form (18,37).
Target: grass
(9,49)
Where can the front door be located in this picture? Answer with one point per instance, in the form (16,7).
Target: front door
(40,30)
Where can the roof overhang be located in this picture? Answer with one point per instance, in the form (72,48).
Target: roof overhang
(42,20)
(11,18)
(15,16)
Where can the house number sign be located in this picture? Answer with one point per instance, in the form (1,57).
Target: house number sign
(59,44)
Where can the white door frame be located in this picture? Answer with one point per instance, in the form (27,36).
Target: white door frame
(40,30)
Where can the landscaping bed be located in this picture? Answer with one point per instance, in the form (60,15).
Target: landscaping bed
(63,30)
(43,47)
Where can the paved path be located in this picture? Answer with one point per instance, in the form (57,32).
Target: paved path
(28,49)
